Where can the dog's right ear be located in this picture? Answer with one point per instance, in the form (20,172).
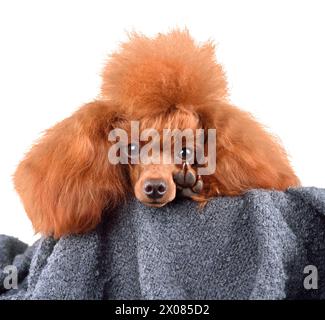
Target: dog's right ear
(65,181)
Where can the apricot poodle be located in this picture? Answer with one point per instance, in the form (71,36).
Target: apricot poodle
(66,180)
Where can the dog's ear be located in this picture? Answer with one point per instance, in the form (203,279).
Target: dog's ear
(248,156)
(65,181)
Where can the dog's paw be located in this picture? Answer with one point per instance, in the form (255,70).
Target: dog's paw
(188,182)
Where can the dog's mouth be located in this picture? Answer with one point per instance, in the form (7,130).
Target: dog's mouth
(154,204)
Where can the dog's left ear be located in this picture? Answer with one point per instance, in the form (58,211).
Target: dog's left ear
(248,157)
(66,180)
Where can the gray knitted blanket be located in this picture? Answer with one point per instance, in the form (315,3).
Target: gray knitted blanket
(256,246)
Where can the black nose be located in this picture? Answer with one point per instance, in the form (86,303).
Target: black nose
(154,189)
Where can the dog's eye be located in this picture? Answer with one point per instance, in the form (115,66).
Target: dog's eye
(186,154)
(133,150)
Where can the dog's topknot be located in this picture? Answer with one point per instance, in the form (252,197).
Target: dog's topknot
(160,72)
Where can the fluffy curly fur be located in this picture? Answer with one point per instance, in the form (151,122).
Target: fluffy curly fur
(65,181)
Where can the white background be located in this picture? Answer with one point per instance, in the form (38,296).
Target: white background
(52,53)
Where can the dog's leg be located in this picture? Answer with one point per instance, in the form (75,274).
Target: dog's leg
(188,182)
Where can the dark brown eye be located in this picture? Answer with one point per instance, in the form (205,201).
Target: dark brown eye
(186,154)
(133,150)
